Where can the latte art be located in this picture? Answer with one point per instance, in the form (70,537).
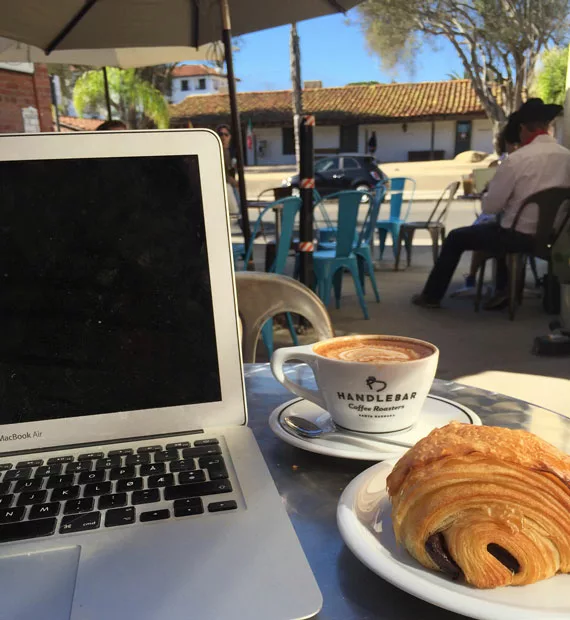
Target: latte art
(372,351)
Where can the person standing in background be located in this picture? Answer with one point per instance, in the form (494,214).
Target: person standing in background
(372,144)
(232,185)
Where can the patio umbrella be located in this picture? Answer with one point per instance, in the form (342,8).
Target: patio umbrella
(102,24)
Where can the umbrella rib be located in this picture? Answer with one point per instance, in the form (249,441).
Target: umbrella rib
(70,26)
(195,23)
(336,6)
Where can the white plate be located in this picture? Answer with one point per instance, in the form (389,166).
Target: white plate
(364,520)
(436,412)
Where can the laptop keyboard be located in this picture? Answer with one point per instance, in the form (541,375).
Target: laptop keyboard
(109,489)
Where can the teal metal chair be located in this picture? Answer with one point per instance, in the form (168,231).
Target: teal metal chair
(329,264)
(289,210)
(393,224)
(363,248)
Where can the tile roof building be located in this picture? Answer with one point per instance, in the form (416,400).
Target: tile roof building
(411,121)
(194,80)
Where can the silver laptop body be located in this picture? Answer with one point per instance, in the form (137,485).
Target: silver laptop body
(132,487)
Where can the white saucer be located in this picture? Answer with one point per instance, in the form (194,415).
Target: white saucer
(364,520)
(436,412)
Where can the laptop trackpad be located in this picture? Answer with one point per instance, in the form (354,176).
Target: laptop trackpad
(38,585)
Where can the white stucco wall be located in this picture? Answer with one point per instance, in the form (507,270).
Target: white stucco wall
(326,137)
(272,152)
(394,143)
(482,136)
(214,85)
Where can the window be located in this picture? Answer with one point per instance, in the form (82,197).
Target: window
(202,84)
(184,85)
(349,139)
(288,140)
(349,163)
(328,163)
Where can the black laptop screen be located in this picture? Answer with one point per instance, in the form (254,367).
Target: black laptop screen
(105,297)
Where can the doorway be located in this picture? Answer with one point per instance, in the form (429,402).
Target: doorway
(462,136)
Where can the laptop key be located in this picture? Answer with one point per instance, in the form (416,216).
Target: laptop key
(186,507)
(145,497)
(78,466)
(199,488)
(92,476)
(96,488)
(57,495)
(221,506)
(132,484)
(27,529)
(154,448)
(5,466)
(206,442)
(185,465)
(187,477)
(48,470)
(119,516)
(166,455)
(33,463)
(78,505)
(112,461)
(32,497)
(121,452)
(6,500)
(122,472)
(9,515)
(80,523)
(154,515)
(138,459)
(60,459)
(115,500)
(55,482)
(201,451)
(90,456)
(5,487)
(39,511)
(153,468)
(17,474)
(178,444)
(215,466)
(162,480)
(34,484)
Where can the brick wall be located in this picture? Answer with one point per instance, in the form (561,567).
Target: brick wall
(17,92)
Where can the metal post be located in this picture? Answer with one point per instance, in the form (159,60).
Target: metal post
(306,186)
(236,129)
(295,57)
(107,95)
(432,141)
(54,101)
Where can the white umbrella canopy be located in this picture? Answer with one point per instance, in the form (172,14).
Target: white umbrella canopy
(127,57)
(93,24)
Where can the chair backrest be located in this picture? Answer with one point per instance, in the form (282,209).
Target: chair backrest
(397,188)
(348,205)
(289,209)
(439,213)
(369,226)
(549,202)
(278,192)
(262,296)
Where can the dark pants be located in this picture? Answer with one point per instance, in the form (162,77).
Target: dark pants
(491,238)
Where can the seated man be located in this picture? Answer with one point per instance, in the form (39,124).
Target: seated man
(539,164)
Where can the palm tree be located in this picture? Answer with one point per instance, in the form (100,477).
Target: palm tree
(134,100)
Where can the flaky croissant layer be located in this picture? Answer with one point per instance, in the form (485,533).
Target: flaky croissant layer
(489,504)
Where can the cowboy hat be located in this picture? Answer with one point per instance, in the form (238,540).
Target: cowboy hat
(534,110)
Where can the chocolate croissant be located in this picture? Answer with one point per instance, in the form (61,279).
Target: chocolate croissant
(487,504)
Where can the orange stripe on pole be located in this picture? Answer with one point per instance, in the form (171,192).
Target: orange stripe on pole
(306,246)
(310,120)
(307,184)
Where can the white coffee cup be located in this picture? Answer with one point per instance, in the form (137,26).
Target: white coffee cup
(368,384)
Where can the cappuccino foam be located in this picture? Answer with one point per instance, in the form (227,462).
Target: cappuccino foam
(371,351)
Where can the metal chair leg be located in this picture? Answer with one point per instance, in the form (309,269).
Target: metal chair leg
(480,282)
(398,250)
(408,242)
(434,233)
(513,262)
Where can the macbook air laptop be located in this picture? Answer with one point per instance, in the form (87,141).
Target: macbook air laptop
(131,486)
(482,177)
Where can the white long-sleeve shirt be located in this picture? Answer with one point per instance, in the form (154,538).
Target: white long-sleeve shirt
(540,165)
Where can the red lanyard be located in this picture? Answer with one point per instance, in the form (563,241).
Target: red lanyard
(540,132)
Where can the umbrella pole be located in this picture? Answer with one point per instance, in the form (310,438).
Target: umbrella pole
(107,95)
(306,188)
(236,127)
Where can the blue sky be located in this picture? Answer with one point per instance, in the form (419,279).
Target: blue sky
(333,51)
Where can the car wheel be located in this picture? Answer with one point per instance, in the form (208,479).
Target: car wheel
(362,187)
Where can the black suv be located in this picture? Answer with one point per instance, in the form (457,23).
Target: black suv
(337,172)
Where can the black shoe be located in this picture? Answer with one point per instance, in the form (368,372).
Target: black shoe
(420,300)
(499,301)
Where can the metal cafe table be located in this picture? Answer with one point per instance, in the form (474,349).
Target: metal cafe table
(311,484)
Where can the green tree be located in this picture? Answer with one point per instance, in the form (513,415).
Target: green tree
(133,99)
(369,83)
(497,41)
(550,82)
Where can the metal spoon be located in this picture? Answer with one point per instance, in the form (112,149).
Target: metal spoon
(308,429)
